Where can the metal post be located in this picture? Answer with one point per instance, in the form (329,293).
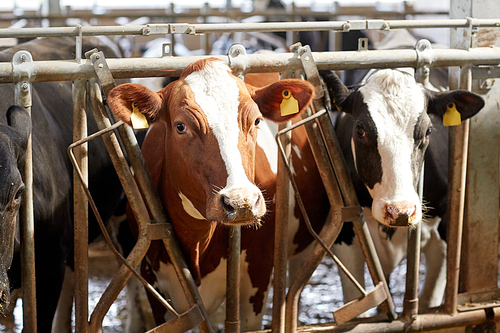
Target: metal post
(232,323)
(281,239)
(410,306)
(80,208)
(22,64)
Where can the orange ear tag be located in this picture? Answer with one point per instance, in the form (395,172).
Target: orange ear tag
(289,104)
(451,117)
(137,119)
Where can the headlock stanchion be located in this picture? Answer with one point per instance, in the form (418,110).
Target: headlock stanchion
(197,314)
(330,162)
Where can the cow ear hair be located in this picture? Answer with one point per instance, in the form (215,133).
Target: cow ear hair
(338,92)
(270,97)
(122,98)
(466,102)
(20,120)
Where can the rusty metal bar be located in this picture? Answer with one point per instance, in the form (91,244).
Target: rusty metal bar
(23,75)
(423,323)
(150,195)
(410,304)
(281,235)
(135,200)
(232,323)
(80,208)
(459,148)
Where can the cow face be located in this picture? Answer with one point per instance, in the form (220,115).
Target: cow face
(211,120)
(392,131)
(13,141)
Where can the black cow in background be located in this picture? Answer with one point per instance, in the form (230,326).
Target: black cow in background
(52,179)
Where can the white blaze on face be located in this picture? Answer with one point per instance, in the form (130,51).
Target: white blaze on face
(395,102)
(217,94)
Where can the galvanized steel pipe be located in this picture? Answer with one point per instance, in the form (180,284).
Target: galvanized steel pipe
(258,63)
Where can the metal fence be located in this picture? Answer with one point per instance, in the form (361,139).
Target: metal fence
(478,62)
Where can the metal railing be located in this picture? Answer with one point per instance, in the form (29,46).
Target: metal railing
(172,66)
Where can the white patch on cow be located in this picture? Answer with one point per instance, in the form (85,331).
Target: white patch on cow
(190,208)
(212,289)
(217,93)
(395,102)
(266,135)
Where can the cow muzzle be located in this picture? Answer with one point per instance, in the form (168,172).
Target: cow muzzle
(400,214)
(242,206)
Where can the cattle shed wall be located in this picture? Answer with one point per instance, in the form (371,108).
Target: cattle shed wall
(482,196)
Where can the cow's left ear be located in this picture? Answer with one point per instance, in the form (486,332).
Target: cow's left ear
(128,98)
(466,102)
(277,100)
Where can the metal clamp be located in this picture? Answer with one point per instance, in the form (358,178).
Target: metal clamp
(23,71)
(238,59)
(425,57)
(311,70)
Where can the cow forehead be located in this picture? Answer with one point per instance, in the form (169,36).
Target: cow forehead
(394,101)
(217,93)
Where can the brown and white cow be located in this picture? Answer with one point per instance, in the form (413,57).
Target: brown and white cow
(213,163)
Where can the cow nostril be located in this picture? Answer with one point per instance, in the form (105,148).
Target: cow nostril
(225,202)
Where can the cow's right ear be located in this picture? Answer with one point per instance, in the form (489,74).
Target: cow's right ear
(123,98)
(338,92)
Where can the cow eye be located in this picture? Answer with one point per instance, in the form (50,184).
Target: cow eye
(360,132)
(257,121)
(428,132)
(181,128)
(19,193)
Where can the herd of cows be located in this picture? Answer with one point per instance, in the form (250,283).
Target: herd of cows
(211,153)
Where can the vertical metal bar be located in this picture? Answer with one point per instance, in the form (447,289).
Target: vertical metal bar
(457,164)
(281,237)
(232,323)
(80,208)
(459,146)
(410,305)
(28,282)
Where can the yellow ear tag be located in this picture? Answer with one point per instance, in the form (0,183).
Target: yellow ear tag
(138,120)
(289,104)
(451,117)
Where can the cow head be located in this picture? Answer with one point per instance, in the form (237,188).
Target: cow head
(13,141)
(391,132)
(211,119)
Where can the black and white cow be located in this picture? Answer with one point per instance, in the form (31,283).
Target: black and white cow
(385,129)
(53,185)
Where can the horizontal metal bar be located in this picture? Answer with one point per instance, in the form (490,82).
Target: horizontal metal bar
(257,63)
(245,27)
